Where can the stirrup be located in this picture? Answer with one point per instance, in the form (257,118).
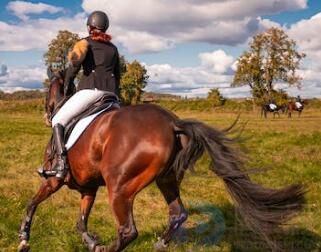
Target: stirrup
(46,173)
(61,174)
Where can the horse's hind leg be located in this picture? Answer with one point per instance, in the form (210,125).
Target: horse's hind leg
(47,188)
(122,206)
(177,213)
(87,201)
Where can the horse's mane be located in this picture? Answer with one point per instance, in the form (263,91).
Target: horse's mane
(55,74)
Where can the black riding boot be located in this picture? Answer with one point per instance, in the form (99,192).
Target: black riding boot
(61,166)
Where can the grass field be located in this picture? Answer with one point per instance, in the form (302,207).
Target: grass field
(290,148)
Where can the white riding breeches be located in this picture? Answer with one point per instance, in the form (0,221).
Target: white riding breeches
(76,104)
(298,105)
(272,106)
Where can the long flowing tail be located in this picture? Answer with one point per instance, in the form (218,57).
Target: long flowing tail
(262,209)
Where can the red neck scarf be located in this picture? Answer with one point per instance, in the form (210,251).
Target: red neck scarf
(100,36)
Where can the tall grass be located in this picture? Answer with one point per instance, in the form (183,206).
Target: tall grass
(290,148)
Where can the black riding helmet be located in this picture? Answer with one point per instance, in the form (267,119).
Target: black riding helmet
(99,20)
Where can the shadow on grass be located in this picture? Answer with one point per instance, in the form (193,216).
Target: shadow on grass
(208,226)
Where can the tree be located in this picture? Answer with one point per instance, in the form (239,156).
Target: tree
(272,57)
(122,65)
(58,48)
(280,97)
(133,81)
(215,98)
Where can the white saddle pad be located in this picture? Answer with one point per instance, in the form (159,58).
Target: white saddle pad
(81,126)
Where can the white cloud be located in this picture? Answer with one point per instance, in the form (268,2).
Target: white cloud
(158,14)
(22,9)
(304,32)
(137,42)
(3,70)
(147,26)
(36,34)
(267,23)
(158,24)
(23,77)
(217,61)
(185,81)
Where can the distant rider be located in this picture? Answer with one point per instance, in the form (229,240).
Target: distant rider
(298,102)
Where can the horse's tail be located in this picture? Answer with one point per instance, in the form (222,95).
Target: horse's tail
(262,209)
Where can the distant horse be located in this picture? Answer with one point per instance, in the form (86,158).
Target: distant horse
(293,107)
(129,148)
(265,108)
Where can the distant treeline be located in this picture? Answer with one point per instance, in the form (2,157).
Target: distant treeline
(34,100)
(22,95)
(199,104)
(159,96)
(228,105)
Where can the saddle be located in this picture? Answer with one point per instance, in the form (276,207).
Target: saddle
(105,104)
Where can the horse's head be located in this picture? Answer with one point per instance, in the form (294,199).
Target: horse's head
(55,94)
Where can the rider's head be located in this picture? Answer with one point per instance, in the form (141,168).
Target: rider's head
(98,21)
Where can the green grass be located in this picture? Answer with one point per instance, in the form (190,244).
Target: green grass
(290,148)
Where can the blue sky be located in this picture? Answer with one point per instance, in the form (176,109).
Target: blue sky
(187,48)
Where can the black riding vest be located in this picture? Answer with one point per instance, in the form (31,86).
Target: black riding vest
(101,67)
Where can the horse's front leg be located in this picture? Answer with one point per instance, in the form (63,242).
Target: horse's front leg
(47,188)
(87,201)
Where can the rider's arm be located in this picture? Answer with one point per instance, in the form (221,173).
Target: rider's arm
(76,57)
(71,73)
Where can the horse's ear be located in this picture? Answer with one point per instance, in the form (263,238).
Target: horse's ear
(50,73)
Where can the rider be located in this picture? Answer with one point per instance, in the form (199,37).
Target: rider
(298,102)
(100,61)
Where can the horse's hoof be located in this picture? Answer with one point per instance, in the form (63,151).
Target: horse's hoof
(100,249)
(160,246)
(23,246)
(90,241)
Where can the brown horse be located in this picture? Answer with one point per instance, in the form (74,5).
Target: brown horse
(292,107)
(129,148)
